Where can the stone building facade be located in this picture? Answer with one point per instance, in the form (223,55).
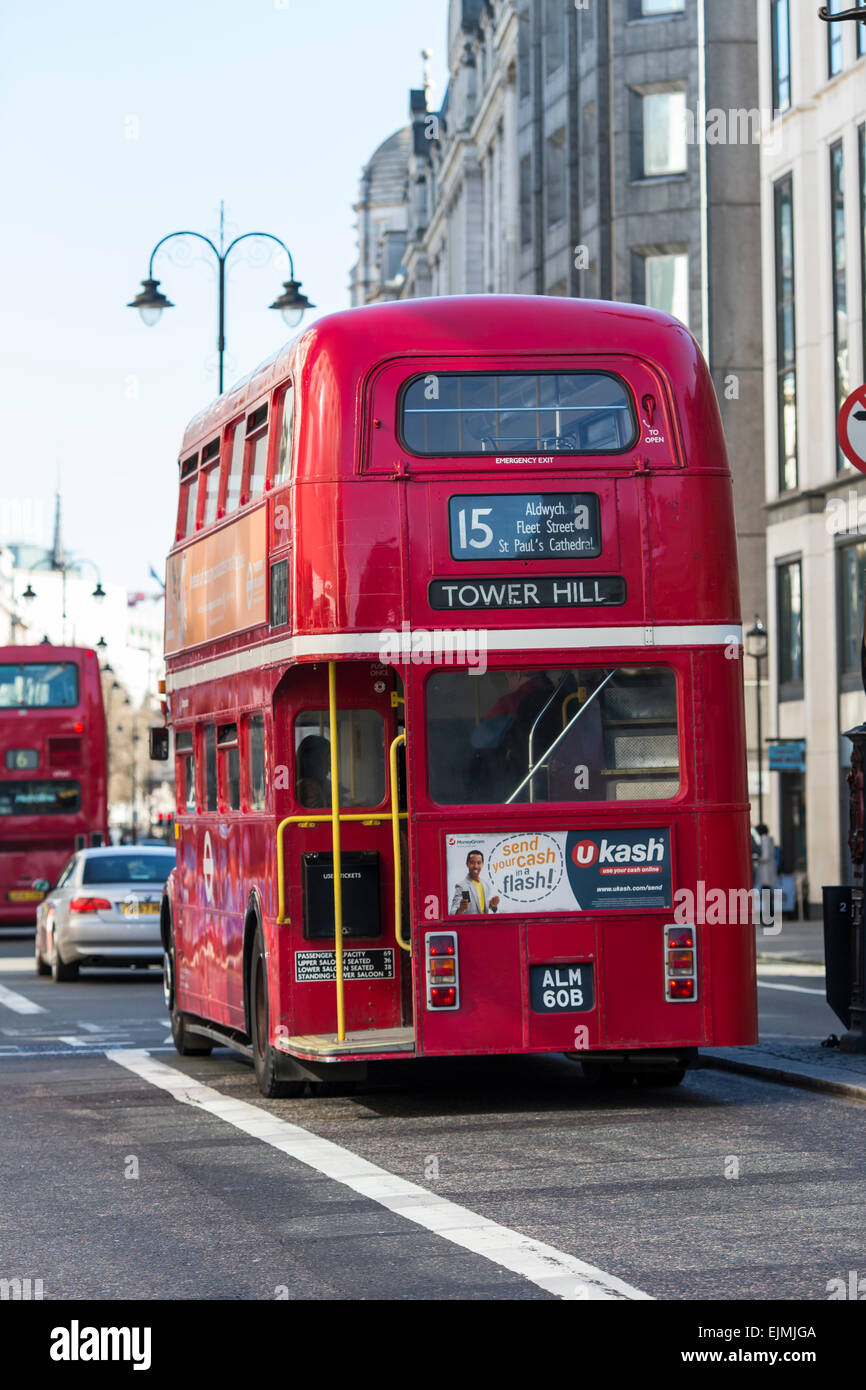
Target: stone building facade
(602,149)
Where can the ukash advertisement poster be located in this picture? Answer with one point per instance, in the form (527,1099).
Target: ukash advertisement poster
(559,871)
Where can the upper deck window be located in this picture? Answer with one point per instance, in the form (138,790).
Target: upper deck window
(236,468)
(39,685)
(455,414)
(257,433)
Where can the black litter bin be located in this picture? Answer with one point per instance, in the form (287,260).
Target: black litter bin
(837,950)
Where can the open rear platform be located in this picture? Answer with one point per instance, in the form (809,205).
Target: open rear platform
(368,1040)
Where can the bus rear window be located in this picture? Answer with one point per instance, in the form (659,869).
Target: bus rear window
(39,685)
(513,414)
(566,735)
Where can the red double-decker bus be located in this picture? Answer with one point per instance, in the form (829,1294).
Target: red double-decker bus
(54,773)
(454,676)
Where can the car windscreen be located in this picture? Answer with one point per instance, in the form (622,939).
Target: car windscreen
(128,868)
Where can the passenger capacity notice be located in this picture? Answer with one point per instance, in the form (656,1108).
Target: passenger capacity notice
(313,966)
(525,526)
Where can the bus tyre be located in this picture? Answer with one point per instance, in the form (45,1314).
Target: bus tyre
(61,973)
(186,1043)
(266,1061)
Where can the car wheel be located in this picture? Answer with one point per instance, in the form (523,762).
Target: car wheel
(266,1061)
(186,1043)
(61,973)
(41,966)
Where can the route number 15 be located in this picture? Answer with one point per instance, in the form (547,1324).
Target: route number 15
(476,527)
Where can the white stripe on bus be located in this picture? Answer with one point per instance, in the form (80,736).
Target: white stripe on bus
(548,1268)
(370,644)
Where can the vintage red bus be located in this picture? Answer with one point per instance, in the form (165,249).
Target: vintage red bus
(54,776)
(453,632)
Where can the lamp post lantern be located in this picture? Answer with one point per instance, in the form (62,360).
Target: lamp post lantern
(757,646)
(150,301)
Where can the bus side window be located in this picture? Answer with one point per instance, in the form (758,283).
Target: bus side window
(236,467)
(210,768)
(257,454)
(230,768)
(185,764)
(256,796)
(284,455)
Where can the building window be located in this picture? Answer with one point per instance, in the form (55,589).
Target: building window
(789,600)
(554,35)
(840,283)
(786,347)
(524,56)
(588,156)
(555,176)
(256,796)
(659,125)
(660,279)
(861,32)
(587,25)
(525,200)
(646,9)
(834,40)
(781,44)
(852,579)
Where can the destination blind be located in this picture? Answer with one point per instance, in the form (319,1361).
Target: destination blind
(525,526)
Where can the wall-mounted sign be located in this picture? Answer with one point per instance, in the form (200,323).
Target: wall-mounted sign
(789,756)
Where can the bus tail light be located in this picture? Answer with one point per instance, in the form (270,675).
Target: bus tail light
(443,979)
(90,905)
(681,972)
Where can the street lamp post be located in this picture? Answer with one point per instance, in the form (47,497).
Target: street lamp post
(150,302)
(29,594)
(757,645)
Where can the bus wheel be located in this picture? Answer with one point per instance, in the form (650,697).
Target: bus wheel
(61,973)
(672,1076)
(265,1059)
(186,1043)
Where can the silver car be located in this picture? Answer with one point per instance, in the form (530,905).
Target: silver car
(104,910)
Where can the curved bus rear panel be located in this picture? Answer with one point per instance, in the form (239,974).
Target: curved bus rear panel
(463,573)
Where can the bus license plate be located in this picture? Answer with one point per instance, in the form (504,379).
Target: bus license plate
(139,909)
(561,989)
(25,895)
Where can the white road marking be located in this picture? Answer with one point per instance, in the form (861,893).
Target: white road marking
(543,1265)
(72,1041)
(16,965)
(795,989)
(18,1004)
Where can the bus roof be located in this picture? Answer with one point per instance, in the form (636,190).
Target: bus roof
(355,340)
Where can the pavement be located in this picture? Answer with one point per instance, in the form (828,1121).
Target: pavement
(805,1062)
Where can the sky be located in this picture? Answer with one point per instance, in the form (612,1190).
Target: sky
(120,124)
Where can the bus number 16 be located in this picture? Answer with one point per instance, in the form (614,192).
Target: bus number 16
(477,527)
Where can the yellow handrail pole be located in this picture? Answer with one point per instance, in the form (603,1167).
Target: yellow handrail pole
(395,837)
(335,841)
